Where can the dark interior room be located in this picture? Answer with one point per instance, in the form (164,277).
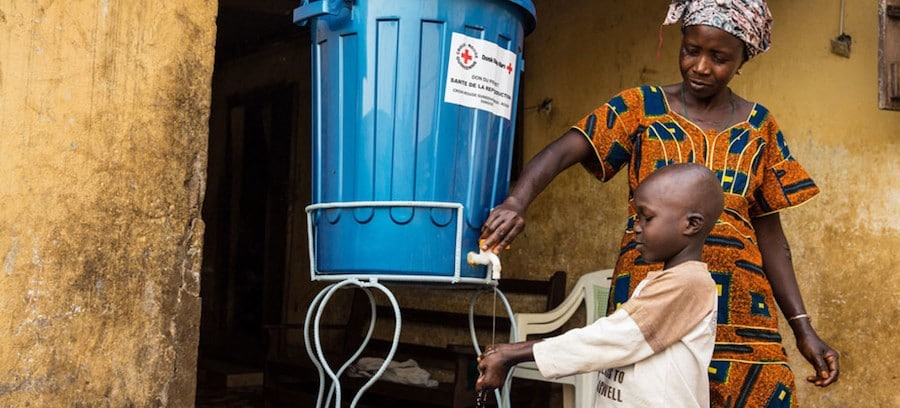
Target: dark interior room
(251,181)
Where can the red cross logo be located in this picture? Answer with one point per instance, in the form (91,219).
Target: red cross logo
(466,57)
(509,69)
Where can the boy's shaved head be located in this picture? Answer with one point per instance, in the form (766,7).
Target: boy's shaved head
(691,186)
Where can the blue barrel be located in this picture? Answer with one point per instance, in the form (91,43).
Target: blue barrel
(412,131)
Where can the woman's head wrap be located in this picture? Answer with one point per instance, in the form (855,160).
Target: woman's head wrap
(748,20)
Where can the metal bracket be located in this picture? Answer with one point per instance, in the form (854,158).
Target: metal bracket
(312,9)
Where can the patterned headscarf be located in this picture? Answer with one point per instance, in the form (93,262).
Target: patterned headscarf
(748,20)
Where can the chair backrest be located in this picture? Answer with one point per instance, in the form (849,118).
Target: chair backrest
(596,286)
(591,288)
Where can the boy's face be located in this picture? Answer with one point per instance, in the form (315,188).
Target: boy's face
(660,221)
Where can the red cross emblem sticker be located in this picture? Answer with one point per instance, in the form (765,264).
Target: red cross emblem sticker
(466,56)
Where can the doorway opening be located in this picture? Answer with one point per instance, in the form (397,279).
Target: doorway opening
(256,177)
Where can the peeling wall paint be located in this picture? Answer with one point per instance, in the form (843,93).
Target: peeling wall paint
(103,128)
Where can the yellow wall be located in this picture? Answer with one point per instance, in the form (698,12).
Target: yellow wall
(103,127)
(844,242)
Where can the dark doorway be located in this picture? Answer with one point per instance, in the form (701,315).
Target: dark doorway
(248,223)
(257,165)
(258,117)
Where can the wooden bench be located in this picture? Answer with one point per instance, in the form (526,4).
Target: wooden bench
(289,373)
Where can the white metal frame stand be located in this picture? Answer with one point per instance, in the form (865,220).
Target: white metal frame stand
(367,282)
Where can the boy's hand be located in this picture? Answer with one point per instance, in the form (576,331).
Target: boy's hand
(823,358)
(502,226)
(492,366)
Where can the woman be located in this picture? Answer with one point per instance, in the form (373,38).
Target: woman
(701,120)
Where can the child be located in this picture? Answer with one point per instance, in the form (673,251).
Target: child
(655,349)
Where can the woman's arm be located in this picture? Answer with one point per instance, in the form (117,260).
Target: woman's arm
(779,269)
(507,220)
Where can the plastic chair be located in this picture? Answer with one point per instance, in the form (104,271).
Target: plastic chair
(593,289)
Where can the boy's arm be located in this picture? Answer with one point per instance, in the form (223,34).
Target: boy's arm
(612,341)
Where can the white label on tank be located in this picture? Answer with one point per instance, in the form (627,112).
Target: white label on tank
(480,75)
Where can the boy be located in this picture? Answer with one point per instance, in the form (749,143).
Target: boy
(655,349)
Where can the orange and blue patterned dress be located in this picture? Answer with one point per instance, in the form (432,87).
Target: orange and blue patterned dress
(637,129)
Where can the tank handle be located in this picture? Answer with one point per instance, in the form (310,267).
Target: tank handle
(311,9)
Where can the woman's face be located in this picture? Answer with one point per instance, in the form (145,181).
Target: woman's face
(709,58)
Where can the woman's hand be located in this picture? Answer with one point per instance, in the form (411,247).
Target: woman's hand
(776,255)
(507,220)
(502,226)
(824,359)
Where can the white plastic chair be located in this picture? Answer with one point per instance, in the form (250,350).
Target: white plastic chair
(593,289)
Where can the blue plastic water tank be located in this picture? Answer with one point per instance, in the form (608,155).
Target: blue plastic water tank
(413,123)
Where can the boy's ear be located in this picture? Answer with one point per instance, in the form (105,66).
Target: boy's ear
(694,225)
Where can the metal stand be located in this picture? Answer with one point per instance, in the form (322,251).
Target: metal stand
(328,375)
(318,357)
(368,281)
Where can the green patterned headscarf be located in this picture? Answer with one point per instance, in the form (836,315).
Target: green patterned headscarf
(748,20)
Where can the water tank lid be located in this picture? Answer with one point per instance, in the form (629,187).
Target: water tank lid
(531,18)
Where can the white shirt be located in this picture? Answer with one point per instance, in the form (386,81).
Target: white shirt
(654,351)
